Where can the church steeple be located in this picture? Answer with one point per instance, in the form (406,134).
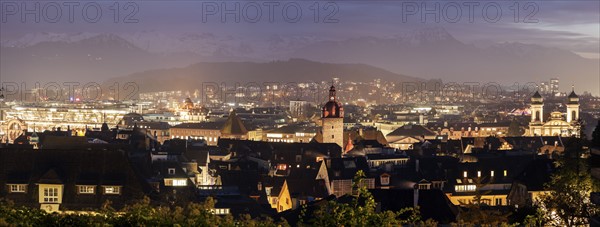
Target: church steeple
(537,108)
(332,96)
(333,108)
(333,120)
(572,107)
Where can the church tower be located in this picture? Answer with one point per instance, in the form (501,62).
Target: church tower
(573,107)
(537,108)
(333,120)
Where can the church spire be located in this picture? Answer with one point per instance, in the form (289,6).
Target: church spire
(332,92)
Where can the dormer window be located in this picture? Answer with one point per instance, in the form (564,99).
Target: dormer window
(492,173)
(171,171)
(17,188)
(86,189)
(175,182)
(505,172)
(478,173)
(465,174)
(51,195)
(385,179)
(112,190)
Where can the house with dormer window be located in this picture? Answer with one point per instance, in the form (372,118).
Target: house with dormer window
(68,180)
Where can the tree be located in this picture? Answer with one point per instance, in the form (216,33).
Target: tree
(581,132)
(360,211)
(596,135)
(141,213)
(477,211)
(568,202)
(515,129)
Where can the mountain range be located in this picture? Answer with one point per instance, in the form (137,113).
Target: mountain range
(291,71)
(424,53)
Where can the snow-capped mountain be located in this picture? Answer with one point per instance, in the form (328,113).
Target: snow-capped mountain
(204,44)
(426,53)
(31,39)
(429,36)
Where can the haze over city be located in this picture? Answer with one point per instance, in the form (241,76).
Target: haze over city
(299,113)
(455,42)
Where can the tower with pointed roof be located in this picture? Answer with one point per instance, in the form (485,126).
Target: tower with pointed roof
(537,109)
(332,119)
(556,124)
(573,107)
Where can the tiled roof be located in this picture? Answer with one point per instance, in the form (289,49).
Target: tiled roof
(411,130)
(234,125)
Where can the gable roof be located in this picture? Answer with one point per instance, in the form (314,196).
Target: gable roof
(234,125)
(433,204)
(71,167)
(412,130)
(50,177)
(201,125)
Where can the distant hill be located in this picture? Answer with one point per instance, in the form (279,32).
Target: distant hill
(293,70)
(429,53)
(435,53)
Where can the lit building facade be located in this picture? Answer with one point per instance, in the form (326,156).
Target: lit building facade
(76,117)
(556,125)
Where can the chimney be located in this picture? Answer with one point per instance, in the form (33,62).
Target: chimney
(416,196)
(417,165)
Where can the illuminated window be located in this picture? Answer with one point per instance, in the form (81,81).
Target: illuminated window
(220,211)
(492,173)
(465,188)
(179,182)
(478,173)
(83,189)
(505,172)
(465,174)
(282,167)
(51,195)
(499,202)
(15,188)
(112,190)
(175,182)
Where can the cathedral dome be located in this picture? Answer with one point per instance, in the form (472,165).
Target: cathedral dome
(188,104)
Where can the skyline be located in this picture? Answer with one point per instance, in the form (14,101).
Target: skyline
(299,113)
(538,31)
